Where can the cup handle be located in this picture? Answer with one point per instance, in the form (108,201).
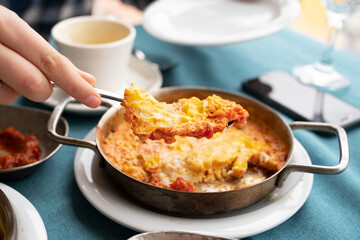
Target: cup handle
(343,149)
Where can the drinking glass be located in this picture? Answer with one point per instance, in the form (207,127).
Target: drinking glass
(322,73)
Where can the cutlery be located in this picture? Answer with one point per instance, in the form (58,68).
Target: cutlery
(117,97)
(163,68)
(104,93)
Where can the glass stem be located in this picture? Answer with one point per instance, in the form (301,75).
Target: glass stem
(326,58)
(319,106)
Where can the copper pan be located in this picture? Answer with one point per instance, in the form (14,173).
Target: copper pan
(212,202)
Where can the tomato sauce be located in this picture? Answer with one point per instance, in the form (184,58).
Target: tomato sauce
(17,150)
(181,184)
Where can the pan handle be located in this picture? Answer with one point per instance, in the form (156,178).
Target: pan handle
(53,122)
(343,149)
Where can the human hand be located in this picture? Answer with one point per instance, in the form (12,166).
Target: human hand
(28,63)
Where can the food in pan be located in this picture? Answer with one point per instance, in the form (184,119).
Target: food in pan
(16,149)
(192,117)
(235,158)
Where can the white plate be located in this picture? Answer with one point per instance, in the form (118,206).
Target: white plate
(217,22)
(105,196)
(29,223)
(141,72)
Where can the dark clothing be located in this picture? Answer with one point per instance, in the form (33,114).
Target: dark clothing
(42,15)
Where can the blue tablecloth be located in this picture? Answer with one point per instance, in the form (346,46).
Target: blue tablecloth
(332,210)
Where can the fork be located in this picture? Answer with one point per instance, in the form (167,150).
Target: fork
(104,93)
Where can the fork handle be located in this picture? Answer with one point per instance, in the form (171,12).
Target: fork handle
(109,95)
(104,93)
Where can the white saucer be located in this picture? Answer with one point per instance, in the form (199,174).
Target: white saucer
(29,223)
(105,196)
(141,72)
(217,22)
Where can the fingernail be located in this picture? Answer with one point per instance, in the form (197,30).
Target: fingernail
(92,101)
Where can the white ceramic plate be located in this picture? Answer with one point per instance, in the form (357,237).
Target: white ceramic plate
(141,72)
(217,22)
(29,223)
(105,196)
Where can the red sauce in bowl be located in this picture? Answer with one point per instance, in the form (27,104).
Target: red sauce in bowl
(16,149)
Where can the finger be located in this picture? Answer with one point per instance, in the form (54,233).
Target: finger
(55,67)
(68,77)
(22,76)
(88,77)
(7,94)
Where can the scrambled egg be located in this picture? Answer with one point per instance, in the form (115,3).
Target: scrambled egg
(186,117)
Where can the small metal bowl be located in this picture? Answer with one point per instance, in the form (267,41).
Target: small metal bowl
(7,218)
(30,121)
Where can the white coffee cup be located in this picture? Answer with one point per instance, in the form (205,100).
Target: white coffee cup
(97,45)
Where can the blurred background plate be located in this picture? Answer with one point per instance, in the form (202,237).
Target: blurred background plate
(217,22)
